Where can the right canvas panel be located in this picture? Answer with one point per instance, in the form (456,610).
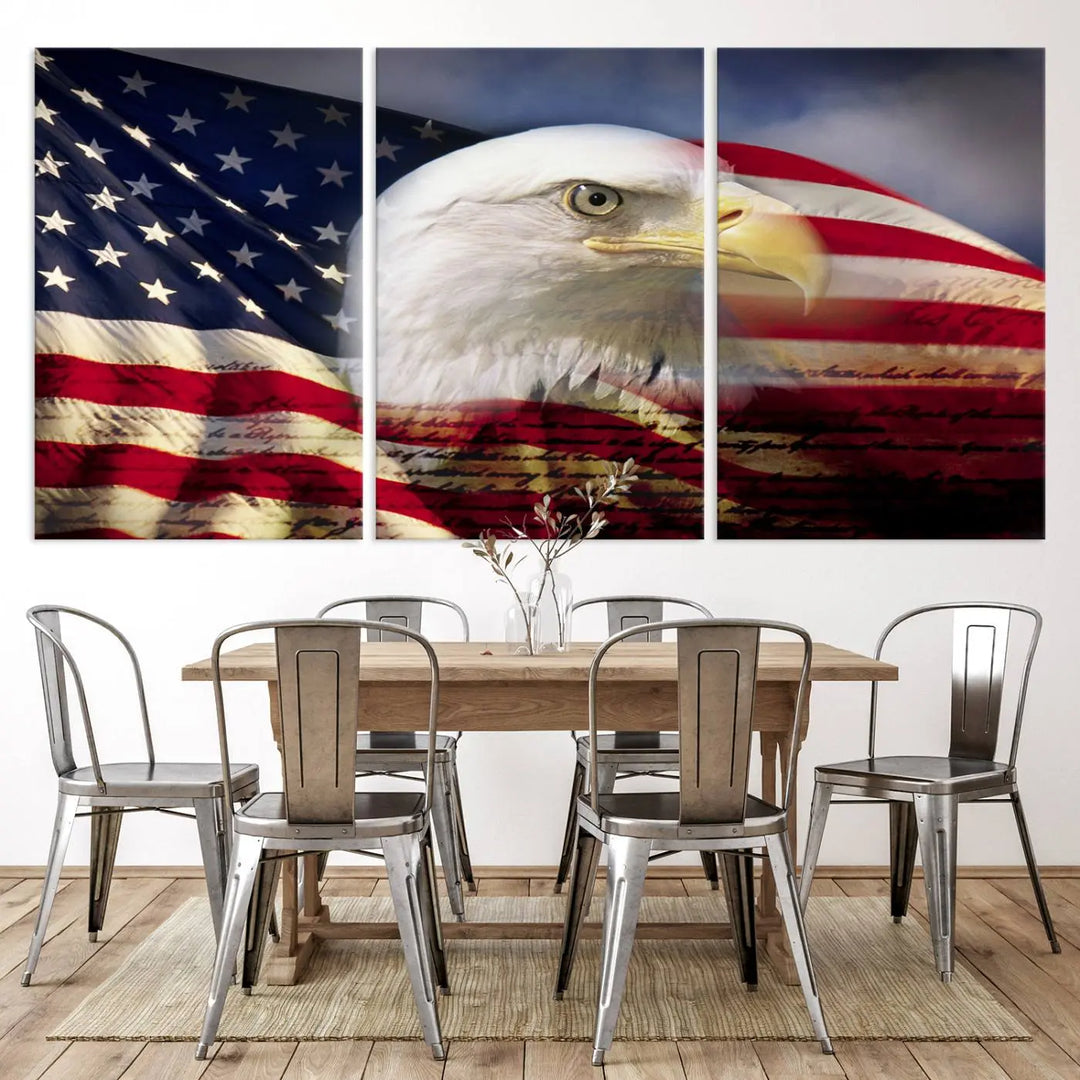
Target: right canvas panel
(881,293)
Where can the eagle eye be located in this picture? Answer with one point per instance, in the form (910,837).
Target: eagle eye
(592,200)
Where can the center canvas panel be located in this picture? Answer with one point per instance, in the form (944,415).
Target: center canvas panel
(539,253)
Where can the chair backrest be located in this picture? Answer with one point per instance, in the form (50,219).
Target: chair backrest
(318,675)
(980,642)
(55,661)
(717,676)
(390,611)
(624,612)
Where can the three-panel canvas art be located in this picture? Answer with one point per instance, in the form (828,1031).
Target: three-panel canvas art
(540,236)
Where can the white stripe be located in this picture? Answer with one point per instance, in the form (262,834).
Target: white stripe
(854,204)
(87,423)
(122,341)
(148,517)
(871,277)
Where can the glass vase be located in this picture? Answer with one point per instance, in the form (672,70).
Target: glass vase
(552,594)
(521,626)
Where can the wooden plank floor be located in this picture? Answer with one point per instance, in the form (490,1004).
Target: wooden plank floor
(998,933)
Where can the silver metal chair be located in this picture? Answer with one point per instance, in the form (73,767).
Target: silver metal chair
(110,790)
(623,754)
(711,811)
(402,754)
(924,793)
(318,663)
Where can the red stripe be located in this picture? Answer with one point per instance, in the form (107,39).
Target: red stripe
(846,237)
(288,477)
(231,393)
(750,160)
(901,322)
(119,534)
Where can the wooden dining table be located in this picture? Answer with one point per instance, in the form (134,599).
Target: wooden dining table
(484,687)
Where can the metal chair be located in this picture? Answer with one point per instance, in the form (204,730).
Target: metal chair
(623,754)
(110,790)
(318,663)
(402,754)
(711,811)
(924,793)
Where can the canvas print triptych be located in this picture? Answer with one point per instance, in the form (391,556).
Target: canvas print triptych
(536,309)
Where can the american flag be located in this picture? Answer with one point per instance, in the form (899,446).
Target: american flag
(196,372)
(907,402)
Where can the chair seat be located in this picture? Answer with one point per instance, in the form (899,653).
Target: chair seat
(921,775)
(376,813)
(163,779)
(655,814)
(620,750)
(401,745)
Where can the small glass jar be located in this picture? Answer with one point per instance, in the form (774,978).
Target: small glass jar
(521,626)
(552,594)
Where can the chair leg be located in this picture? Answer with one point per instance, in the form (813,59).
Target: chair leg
(606,775)
(244,863)
(104,837)
(577,788)
(260,915)
(427,889)
(787,896)
(903,840)
(628,862)
(66,805)
(443,822)
(712,871)
(738,870)
(819,811)
(464,858)
(212,841)
(1033,872)
(936,817)
(582,881)
(402,854)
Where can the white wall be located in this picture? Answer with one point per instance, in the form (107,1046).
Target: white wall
(172,598)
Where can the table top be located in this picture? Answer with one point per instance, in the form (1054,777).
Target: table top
(476,661)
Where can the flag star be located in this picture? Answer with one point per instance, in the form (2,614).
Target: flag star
(332,273)
(41,60)
(251,306)
(93,151)
(230,204)
(184,171)
(429,131)
(237,99)
(286,137)
(135,84)
(283,239)
(142,186)
(107,254)
(278,197)
(386,149)
(185,122)
(43,112)
(157,291)
(193,223)
(138,135)
(333,175)
(49,164)
(291,291)
(340,321)
(156,232)
(104,200)
(56,277)
(244,256)
(206,270)
(333,115)
(88,99)
(232,160)
(329,232)
(54,222)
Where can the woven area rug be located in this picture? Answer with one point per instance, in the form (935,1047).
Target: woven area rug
(877,981)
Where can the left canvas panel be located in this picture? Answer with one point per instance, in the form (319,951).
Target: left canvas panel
(197,362)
